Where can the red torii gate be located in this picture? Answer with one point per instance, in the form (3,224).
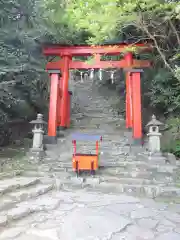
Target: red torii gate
(59,106)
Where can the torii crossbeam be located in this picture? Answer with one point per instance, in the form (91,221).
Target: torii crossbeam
(59,106)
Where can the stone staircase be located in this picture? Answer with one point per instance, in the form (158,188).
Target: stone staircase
(18,197)
(25,196)
(40,197)
(123,167)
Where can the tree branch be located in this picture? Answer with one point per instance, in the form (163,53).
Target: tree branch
(142,25)
(174,30)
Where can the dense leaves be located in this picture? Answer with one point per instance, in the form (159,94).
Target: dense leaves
(20,59)
(23,81)
(25,25)
(154,21)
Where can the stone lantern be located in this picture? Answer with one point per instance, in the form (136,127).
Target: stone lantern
(154,144)
(38,132)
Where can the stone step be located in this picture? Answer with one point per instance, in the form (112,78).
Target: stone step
(130,180)
(139,165)
(103,108)
(105,121)
(129,166)
(134,174)
(105,146)
(39,174)
(24,209)
(122,177)
(120,173)
(97,117)
(8,185)
(150,191)
(12,198)
(25,194)
(144,177)
(5,175)
(140,190)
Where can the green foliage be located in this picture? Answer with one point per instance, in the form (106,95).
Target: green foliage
(25,25)
(103,18)
(173,142)
(173,147)
(165,92)
(23,28)
(23,82)
(59,23)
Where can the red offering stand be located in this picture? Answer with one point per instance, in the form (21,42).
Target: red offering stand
(84,161)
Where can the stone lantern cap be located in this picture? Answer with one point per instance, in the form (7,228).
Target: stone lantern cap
(154,122)
(39,120)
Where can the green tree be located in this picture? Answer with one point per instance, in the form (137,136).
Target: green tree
(154,21)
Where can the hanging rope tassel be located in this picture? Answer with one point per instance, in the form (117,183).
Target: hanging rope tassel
(112,77)
(92,74)
(86,77)
(81,77)
(100,74)
(71,75)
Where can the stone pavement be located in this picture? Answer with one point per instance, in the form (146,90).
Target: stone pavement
(83,215)
(48,202)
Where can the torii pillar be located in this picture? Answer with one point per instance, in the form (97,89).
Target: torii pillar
(129,60)
(53,105)
(135,86)
(65,97)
